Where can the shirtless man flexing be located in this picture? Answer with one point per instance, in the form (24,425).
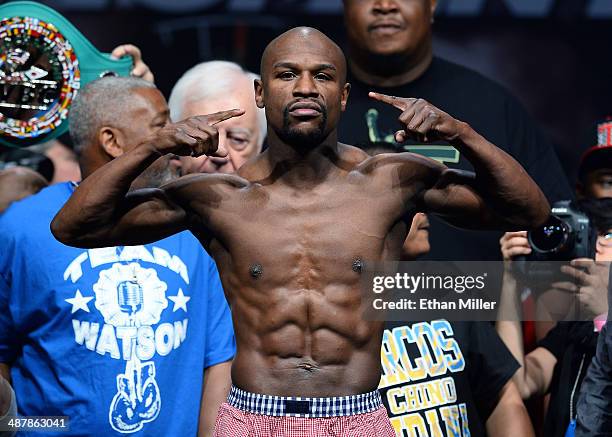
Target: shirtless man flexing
(291,229)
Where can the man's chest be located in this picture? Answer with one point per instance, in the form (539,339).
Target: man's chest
(320,227)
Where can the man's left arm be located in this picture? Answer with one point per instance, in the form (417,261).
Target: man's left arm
(509,417)
(499,195)
(217,381)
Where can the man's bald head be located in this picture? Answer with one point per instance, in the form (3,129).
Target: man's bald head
(298,40)
(303,88)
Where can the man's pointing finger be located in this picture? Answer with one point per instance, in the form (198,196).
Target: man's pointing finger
(218,117)
(391,100)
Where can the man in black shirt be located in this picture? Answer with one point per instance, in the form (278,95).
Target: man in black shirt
(390,51)
(442,378)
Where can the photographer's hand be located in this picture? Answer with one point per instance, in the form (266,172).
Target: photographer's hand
(592,288)
(514,244)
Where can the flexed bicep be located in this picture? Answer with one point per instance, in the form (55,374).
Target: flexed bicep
(455,197)
(144,216)
(104,210)
(149,215)
(502,196)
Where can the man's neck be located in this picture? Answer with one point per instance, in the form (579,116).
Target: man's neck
(301,167)
(89,162)
(389,71)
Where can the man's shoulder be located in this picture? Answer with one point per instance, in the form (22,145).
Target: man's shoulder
(389,161)
(352,155)
(197,181)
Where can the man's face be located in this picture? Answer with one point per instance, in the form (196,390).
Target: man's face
(148,112)
(303,90)
(598,183)
(388,27)
(240,136)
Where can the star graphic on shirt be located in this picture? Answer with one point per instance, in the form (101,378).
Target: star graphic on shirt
(79,302)
(180,301)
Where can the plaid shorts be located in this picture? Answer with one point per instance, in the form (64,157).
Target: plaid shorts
(254,415)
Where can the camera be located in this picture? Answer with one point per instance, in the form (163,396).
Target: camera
(568,234)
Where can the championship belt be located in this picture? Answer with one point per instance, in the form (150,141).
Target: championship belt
(44,61)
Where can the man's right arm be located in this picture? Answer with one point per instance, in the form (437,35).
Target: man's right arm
(102,211)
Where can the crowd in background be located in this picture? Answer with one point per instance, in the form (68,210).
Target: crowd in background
(64,352)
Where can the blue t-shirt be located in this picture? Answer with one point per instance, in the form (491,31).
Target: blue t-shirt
(115,338)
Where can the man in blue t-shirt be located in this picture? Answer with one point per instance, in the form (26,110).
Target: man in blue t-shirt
(122,340)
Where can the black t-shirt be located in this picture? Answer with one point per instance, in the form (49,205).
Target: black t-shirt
(442,378)
(490,110)
(572,343)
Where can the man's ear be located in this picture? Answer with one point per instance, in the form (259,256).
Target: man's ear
(345,93)
(108,137)
(259,94)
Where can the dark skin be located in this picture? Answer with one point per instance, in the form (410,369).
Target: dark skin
(389,40)
(286,230)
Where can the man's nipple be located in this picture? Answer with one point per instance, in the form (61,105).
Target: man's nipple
(256,270)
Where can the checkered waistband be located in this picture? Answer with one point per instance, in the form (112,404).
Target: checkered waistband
(304,407)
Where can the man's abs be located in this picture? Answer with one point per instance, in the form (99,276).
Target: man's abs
(306,343)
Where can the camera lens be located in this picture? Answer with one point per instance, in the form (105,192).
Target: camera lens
(550,237)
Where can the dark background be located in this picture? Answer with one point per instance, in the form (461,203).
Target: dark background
(554,55)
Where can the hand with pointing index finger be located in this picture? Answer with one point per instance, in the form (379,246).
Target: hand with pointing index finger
(422,120)
(194,136)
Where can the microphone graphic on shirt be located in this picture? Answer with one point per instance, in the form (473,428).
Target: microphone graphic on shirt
(138,399)
(130,296)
